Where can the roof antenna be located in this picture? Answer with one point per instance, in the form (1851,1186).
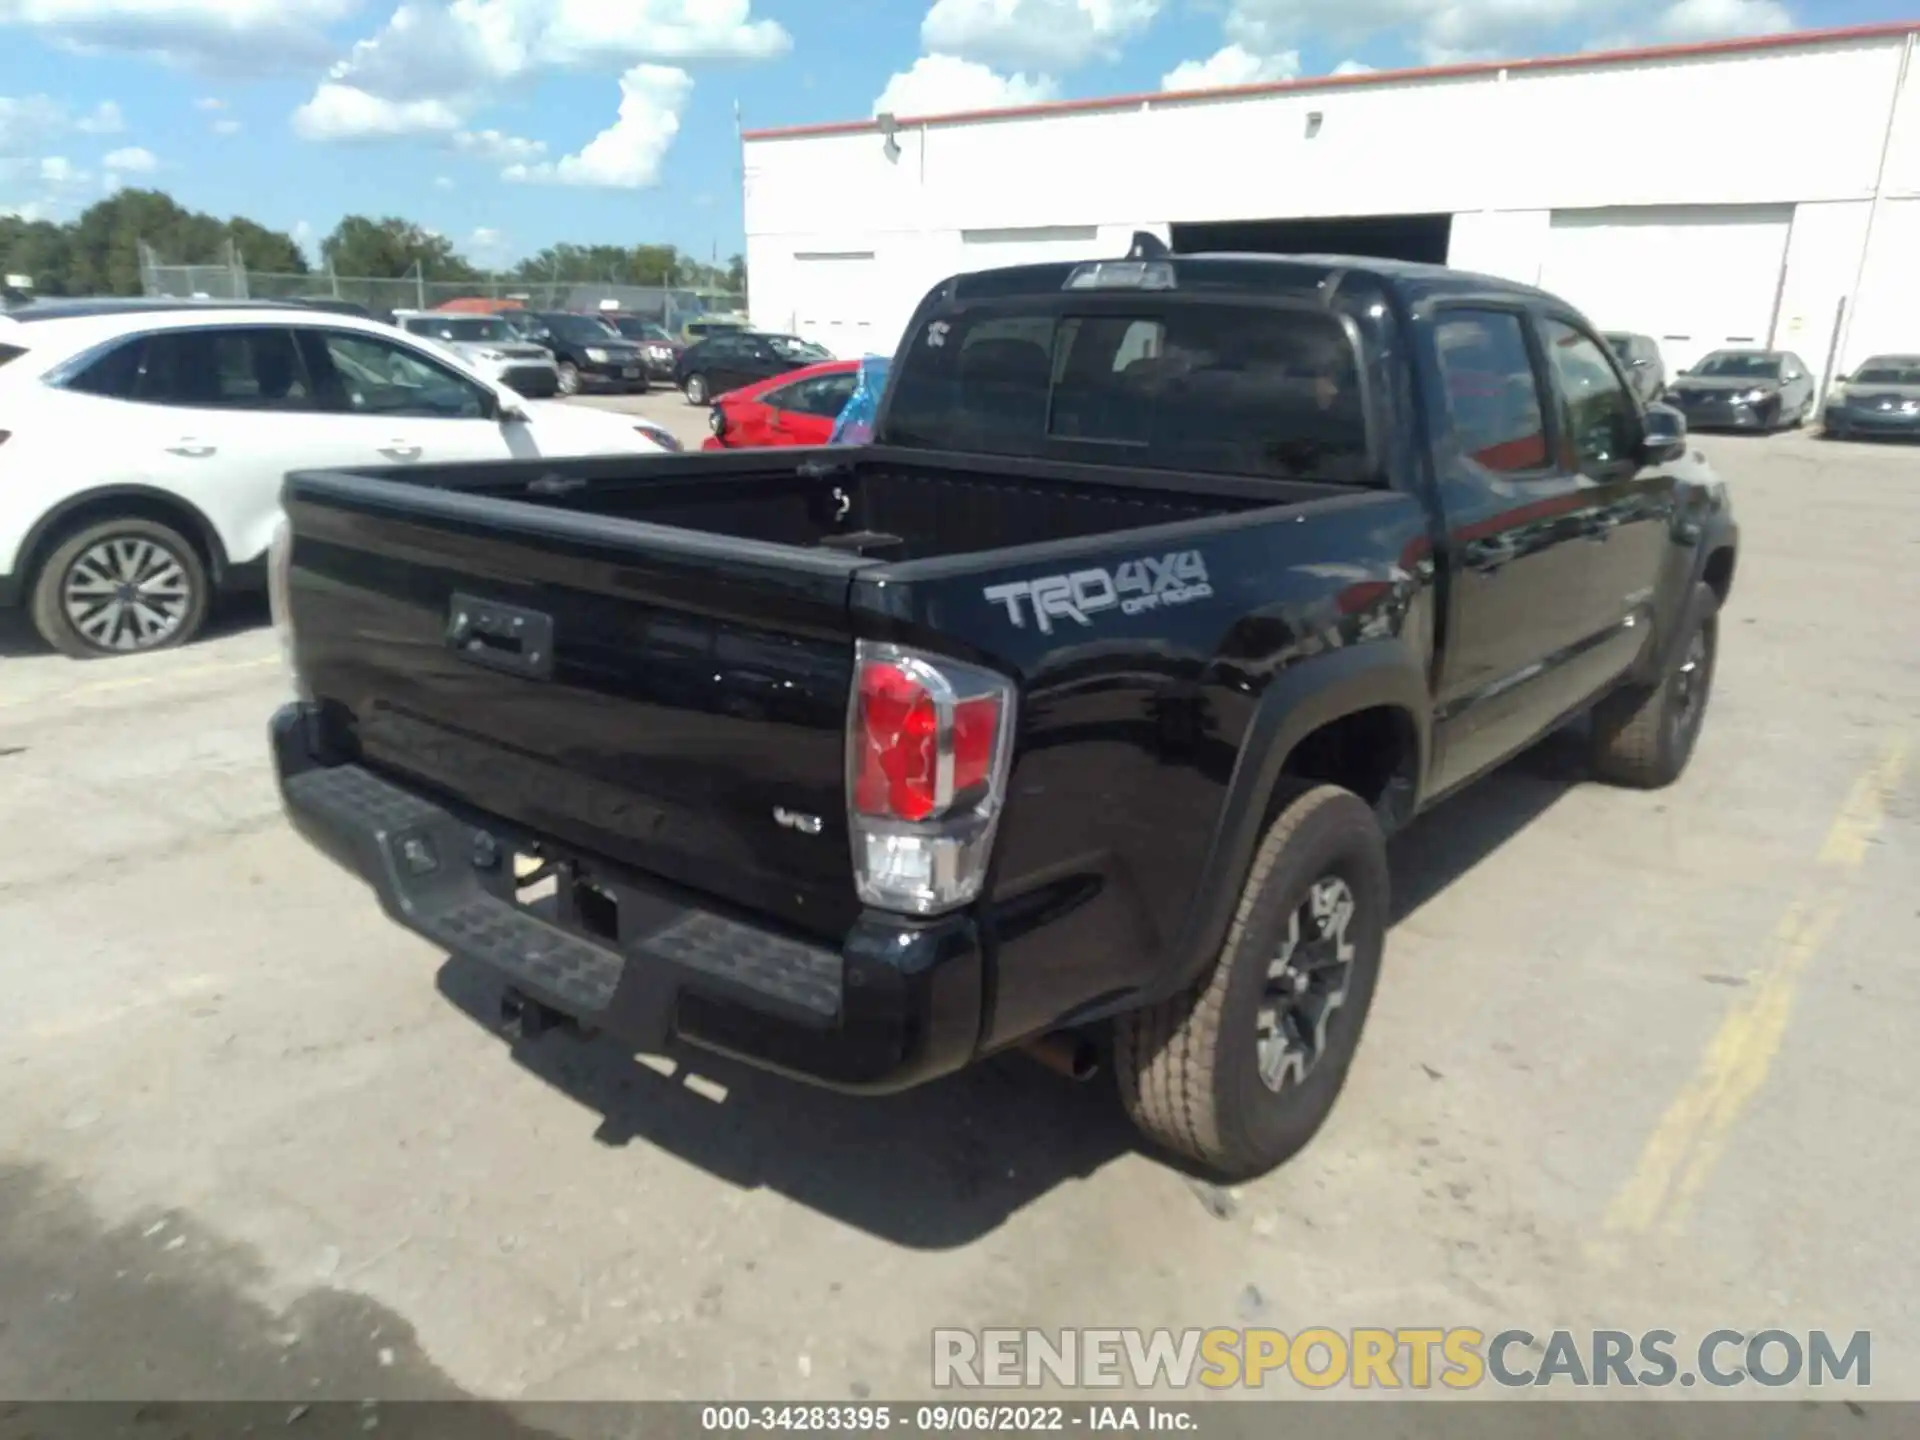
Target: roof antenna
(1148,246)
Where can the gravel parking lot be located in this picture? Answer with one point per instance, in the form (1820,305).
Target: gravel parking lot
(1637,1061)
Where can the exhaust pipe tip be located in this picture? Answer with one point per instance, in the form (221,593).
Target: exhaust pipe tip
(1074,1056)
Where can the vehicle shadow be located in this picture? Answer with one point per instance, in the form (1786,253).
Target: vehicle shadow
(946,1164)
(149,1326)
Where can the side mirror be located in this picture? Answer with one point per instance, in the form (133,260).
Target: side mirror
(1839,379)
(1664,437)
(1686,369)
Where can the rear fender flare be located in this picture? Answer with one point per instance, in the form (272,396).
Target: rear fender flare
(1299,701)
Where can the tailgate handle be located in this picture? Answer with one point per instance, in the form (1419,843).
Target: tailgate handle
(501,637)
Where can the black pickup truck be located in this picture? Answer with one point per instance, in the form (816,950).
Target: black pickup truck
(1076,709)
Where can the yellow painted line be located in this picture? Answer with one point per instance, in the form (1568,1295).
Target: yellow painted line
(140,682)
(1687,1144)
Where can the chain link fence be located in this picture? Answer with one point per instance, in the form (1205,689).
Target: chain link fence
(672,306)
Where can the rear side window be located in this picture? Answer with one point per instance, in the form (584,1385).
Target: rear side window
(824,395)
(112,374)
(1493,395)
(1190,386)
(248,369)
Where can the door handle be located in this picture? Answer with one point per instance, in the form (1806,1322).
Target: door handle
(193,449)
(400,450)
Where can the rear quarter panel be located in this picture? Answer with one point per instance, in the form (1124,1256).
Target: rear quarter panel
(1135,721)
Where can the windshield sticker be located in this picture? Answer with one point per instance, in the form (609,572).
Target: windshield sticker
(937,334)
(1133,588)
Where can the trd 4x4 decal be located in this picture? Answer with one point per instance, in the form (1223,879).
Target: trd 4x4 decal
(1134,587)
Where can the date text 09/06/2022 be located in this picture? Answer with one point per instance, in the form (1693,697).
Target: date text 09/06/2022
(877,1418)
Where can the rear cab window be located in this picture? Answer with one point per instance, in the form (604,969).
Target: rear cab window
(1260,390)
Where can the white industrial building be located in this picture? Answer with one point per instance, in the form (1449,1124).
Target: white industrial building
(1745,192)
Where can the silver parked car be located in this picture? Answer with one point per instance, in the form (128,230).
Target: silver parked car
(1744,390)
(489,345)
(1882,397)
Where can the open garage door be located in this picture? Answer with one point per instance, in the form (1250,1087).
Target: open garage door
(1387,237)
(1694,277)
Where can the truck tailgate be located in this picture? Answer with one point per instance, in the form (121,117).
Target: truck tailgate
(672,701)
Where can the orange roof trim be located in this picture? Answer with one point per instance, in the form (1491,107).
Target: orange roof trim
(1793,40)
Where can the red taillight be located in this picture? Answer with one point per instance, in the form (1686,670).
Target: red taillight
(929,747)
(906,769)
(898,773)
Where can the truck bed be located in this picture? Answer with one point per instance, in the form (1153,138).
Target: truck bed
(886,505)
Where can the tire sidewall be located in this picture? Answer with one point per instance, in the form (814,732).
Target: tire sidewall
(696,389)
(568,381)
(1340,837)
(49,612)
(1679,742)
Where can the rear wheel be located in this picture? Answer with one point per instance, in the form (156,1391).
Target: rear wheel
(1240,1071)
(120,587)
(1643,737)
(696,389)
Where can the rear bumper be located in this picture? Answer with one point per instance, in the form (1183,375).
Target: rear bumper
(895,1005)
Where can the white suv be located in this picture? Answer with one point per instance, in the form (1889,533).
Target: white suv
(143,445)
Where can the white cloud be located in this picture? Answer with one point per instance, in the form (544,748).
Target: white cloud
(487,248)
(29,125)
(494,145)
(945,84)
(209,102)
(1444,31)
(436,63)
(28,121)
(104,119)
(132,160)
(1231,65)
(235,36)
(346,112)
(627,155)
(443,182)
(1722,19)
(1046,35)
(226,127)
(1352,67)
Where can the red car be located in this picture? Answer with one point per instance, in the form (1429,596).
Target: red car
(797,408)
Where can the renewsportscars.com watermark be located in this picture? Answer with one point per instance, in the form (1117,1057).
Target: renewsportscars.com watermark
(1397,1359)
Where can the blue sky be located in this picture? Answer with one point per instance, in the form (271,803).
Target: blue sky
(512,124)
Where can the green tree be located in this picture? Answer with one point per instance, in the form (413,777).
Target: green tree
(37,249)
(273,252)
(390,248)
(735,280)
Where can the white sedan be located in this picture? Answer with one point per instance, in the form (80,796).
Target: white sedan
(143,444)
